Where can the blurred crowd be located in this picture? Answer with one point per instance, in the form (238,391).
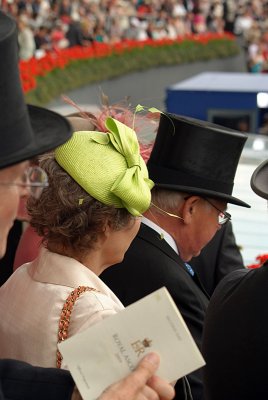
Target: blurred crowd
(54,24)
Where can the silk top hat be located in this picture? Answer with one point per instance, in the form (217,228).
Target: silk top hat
(196,157)
(25,131)
(259,180)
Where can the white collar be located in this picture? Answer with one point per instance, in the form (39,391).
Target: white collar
(163,234)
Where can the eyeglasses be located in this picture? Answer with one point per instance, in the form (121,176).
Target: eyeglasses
(34,178)
(165,212)
(223,216)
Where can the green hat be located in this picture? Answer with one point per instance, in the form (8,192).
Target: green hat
(108,166)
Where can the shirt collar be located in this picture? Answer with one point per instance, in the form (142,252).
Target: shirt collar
(163,234)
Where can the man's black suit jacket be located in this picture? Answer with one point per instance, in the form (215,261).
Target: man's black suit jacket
(149,264)
(236,337)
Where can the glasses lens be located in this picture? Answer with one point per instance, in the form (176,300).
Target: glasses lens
(37,180)
(222,218)
(37,175)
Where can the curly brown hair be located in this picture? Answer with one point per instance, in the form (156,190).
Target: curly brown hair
(66,215)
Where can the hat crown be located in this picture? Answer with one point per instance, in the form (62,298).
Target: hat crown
(196,157)
(25,130)
(15,127)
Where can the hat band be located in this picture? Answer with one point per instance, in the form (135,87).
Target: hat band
(167,176)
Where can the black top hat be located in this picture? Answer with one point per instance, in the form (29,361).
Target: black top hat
(25,131)
(259,180)
(196,157)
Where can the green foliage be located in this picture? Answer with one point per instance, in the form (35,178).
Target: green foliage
(85,72)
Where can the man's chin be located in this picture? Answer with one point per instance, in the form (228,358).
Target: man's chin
(196,254)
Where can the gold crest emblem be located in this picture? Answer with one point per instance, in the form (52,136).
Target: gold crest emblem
(140,345)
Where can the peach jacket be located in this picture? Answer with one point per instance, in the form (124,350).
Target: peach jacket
(31,302)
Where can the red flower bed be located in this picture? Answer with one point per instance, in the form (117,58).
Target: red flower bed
(261,260)
(33,68)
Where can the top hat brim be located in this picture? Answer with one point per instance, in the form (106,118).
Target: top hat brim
(259,180)
(204,193)
(49,131)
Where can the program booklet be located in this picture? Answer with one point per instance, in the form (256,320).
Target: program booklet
(109,350)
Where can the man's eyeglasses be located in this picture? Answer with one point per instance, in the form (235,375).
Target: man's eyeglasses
(34,178)
(223,216)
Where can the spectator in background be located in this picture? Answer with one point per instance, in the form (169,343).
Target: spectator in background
(256,61)
(74,34)
(99,34)
(86,30)
(179,9)
(26,40)
(65,9)
(173,27)
(229,15)
(243,22)
(57,37)
(41,38)
(257,50)
(199,21)
(263,130)
(242,124)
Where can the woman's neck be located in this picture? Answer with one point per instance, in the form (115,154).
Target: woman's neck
(92,259)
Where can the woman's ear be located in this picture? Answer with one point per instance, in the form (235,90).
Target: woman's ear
(107,229)
(103,236)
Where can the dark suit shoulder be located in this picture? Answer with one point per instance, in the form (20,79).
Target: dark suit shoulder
(235,337)
(21,381)
(236,283)
(149,264)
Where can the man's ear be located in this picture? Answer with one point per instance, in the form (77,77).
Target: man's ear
(189,208)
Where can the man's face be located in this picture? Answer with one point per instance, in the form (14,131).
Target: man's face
(202,224)
(10,195)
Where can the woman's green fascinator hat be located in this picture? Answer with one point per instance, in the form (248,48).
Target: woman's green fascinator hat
(108,166)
